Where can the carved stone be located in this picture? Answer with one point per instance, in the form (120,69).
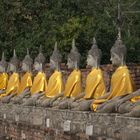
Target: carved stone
(93,60)
(3,64)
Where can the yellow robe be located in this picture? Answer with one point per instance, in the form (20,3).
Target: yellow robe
(121,84)
(39,83)
(55,85)
(95,85)
(13,85)
(3,81)
(74,84)
(135,99)
(26,82)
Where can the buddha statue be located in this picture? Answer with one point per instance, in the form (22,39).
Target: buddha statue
(121,81)
(129,104)
(39,85)
(55,83)
(3,74)
(13,82)
(73,86)
(95,84)
(26,80)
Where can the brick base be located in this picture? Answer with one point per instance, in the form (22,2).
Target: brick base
(31,123)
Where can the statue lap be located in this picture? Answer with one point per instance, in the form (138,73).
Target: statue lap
(83,105)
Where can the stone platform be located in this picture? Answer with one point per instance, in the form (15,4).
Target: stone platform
(38,123)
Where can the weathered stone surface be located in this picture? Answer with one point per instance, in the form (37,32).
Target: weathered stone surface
(38,123)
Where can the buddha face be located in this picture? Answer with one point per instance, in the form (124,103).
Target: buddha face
(91,61)
(11,67)
(37,66)
(2,69)
(70,63)
(53,64)
(24,67)
(116,60)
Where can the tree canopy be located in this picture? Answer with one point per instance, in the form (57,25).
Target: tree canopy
(31,23)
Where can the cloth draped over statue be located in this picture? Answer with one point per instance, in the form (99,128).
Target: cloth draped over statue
(121,84)
(26,82)
(13,85)
(3,81)
(55,84)
(95,84)
(39,83)
(74,84)
(135,99)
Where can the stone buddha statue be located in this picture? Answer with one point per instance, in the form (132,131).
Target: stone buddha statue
(121,81)
(55,83)
(129,105)
(26,79)
(13,82)
(73,86)
(3,74)
(39,85)
(95,84)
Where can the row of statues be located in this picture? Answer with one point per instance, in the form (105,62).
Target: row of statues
(38,90)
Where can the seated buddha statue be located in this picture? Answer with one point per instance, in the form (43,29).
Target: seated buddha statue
(121,81)
(13,82)
(129,105)
(73,86)
(95,84)
(134,105)
(55,83)
(39,85)
(3,75)
(26,79)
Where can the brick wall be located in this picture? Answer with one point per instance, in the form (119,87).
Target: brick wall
(108,70)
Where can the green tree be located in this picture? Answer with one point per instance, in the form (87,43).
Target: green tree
(30,23)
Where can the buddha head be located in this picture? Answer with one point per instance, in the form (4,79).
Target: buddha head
(73,57)
(14,63)
(55,59)
(118,52)
(39,61)
(27,62)
(3,64)
(94,55)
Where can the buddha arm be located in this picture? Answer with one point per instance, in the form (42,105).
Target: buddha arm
(79,96)
(12,95)
(41,94)
(57,96)
(38,95)
(25,92)
(104,96)
(130,96)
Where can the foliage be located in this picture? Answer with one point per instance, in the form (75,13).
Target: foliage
(29,23)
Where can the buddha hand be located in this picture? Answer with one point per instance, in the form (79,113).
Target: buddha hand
(118,104)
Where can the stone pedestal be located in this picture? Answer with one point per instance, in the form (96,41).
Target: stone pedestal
(38,123)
